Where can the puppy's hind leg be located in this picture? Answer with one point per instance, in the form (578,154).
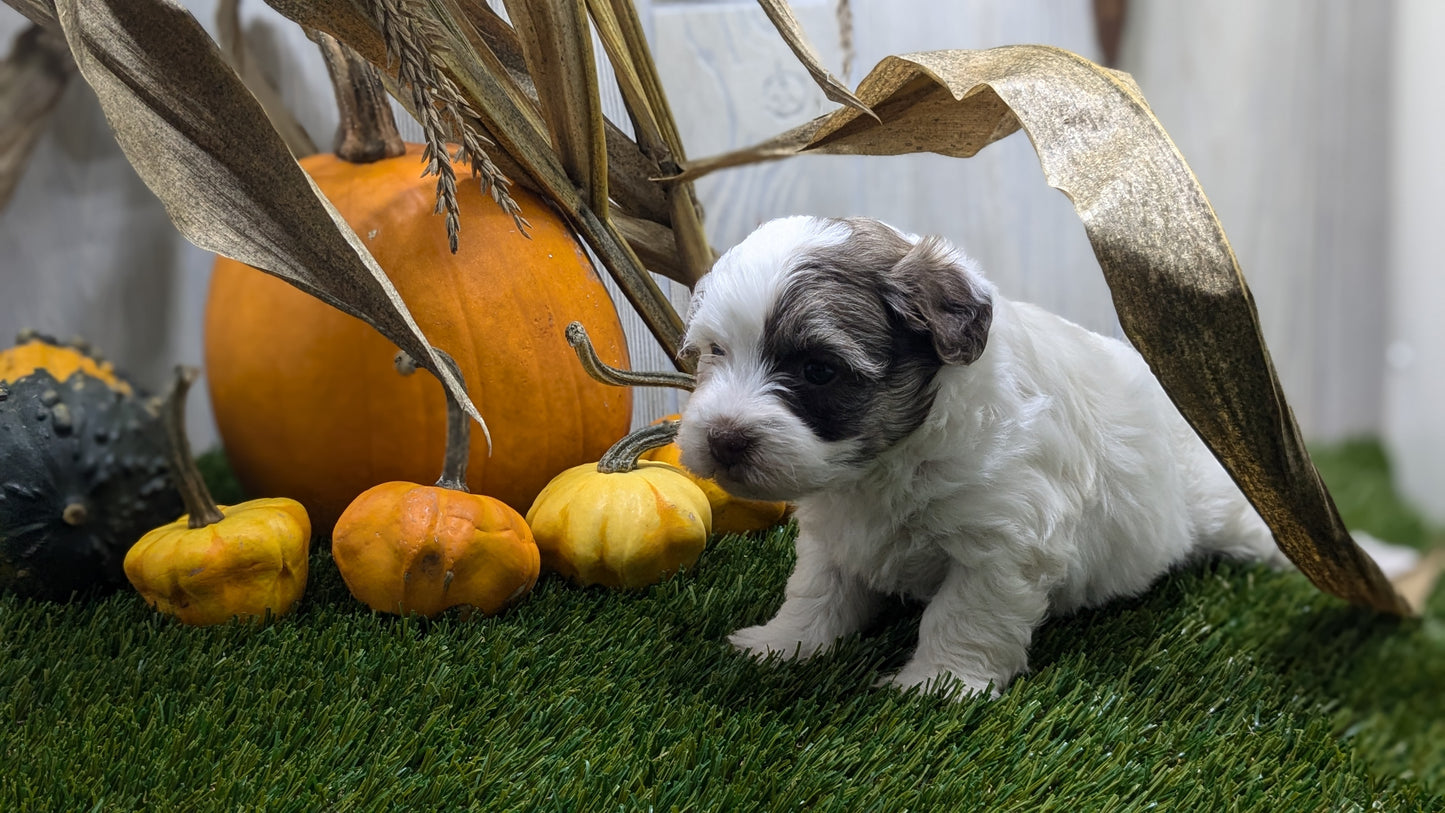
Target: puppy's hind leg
(821,605)
(1227,525)
(1239,533)
(1224,522)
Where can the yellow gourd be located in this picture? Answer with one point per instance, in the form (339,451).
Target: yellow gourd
(219,562)
(621,522)
(251,562)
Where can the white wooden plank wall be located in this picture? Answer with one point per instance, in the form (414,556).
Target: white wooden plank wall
(1280,108)
(1415,381)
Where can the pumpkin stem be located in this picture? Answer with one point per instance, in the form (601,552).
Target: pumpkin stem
(367,131)
(622,457)
(459,425)
(607,374)
(200,506)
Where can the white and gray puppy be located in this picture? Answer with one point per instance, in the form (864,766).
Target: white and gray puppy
(940,442)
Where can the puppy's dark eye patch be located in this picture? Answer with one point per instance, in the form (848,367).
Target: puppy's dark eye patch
(716,349)
(842,360)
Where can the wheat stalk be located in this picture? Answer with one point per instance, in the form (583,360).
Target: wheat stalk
(443,114)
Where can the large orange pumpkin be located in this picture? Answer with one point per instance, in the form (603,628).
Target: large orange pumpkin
(307,400)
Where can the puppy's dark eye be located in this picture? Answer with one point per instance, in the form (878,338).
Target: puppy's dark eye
(715,350)
(818,373)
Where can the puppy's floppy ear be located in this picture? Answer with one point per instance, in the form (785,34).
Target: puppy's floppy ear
(933,293)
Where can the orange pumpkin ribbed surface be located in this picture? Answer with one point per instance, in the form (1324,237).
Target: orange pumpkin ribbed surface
(409,548)
(308,402)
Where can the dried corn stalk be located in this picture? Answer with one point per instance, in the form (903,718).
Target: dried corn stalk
(239,56)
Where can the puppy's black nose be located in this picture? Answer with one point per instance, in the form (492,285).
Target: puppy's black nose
(728,444)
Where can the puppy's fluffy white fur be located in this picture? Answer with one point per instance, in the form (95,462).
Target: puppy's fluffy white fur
(1051,472)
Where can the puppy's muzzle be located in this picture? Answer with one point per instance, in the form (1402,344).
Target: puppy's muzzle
(729,444)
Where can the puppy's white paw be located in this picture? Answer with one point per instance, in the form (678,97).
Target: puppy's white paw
(937,680)
(763,640)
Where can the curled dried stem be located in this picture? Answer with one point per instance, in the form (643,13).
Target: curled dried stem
(607,374)
(458,448)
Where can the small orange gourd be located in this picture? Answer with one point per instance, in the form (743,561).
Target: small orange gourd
(407,548)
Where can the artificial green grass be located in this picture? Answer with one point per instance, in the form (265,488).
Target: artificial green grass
(1227,687)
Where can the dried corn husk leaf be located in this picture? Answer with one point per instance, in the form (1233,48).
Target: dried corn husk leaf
(202,143)
(647,104)
(557,44)
(1176,284)
(32,77)
(786,144)
(40,12)
(500,106)
(629,172)
(629,80)
(781,15)
(630,168)
(238,53)
(623,14)
(655,244)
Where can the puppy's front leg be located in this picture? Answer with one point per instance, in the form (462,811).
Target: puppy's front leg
(820,605)
(975,632)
